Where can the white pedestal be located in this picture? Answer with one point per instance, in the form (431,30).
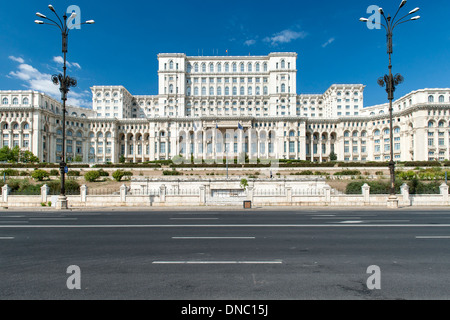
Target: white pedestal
(62,203)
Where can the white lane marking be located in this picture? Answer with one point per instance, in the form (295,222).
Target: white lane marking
(217,262)
(53,219)
(433,237)
(228,226)
(13,221)
(194,218)
(351,221)
(6,238)
(213,238)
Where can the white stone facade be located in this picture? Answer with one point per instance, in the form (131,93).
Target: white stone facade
(209,107)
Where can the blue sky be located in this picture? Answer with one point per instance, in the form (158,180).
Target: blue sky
(122,47)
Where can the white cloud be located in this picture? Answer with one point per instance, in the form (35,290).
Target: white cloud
(35,80)
(330,41)
(60,60)
(285,36)
(250,42)
(16,59)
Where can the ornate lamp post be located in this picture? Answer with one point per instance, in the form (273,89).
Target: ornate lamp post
(65,83)
(391,82)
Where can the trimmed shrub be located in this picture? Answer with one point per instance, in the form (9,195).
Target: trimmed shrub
(348,173)
(171,173)
(91,176)
(73,173)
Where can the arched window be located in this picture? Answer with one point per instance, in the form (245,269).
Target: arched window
(283,64)
(227,91)
(196,67)
(376,132)
(430,124)
(69,133)
(211,91)
(188,91)
(258,91)
(355,134)
(283,88)
(266,90)
(242,91)
(441,99)
(386,132)
(346,134)
(5,101)
(189,68)
(234,91)
(100,135)
(211,68)
(227,67)
(171,64)
(5,126)
(249,67)
(396,130)
(15,101)
(26,126)
(59,132)
(250,91)
(171,88)
(441,124)
(292,134)
(219,67)
(242,68)
(15,126)
(196,91)
(108,135)
(203,91)
(234,67)
(203,67)
(364,134)
(74,114)
(219,91)
(26,101)
(79,134)
(265,67)
(257,69)
(430,98)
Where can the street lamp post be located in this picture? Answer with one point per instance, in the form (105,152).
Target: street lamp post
(391,82)
(65,83)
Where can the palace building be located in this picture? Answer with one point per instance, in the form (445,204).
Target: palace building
(214,105)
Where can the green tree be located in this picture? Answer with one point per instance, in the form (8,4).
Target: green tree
(122,159)
(244,183)
(40,175)
(333,156)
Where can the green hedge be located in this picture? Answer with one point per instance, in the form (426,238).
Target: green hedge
(348,173)
(128,165)
(378,187)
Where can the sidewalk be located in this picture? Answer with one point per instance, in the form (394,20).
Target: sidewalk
(194,209)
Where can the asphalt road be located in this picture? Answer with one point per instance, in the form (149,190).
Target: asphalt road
(216,255)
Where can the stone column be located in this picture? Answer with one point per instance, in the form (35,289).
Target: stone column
(289,194)
(202,195)
(250,193)
(5,193)
(366,193)
(162,193)
(123,193)
(405,193)
(83,193)
(327,194)
(44,192)
(444,192)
